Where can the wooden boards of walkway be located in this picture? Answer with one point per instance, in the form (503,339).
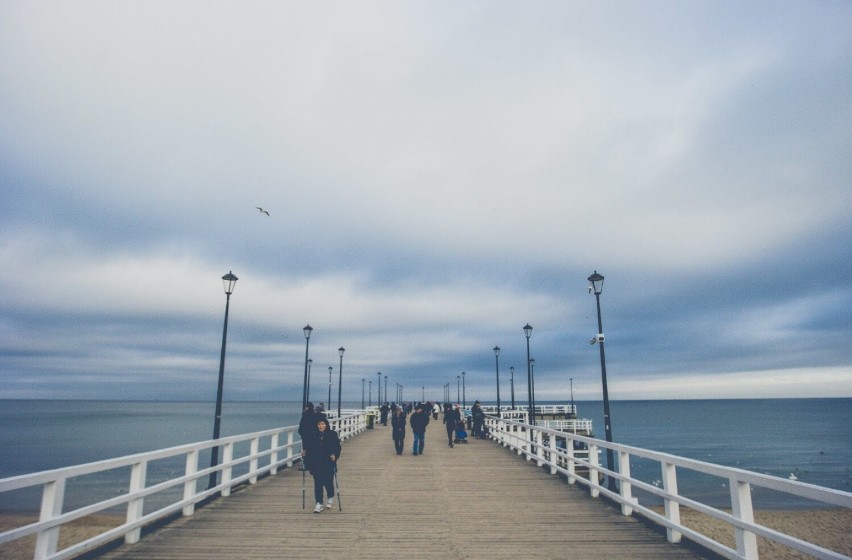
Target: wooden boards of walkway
(473,501)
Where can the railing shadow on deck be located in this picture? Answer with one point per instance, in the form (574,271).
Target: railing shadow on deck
(540,444)
(245,459)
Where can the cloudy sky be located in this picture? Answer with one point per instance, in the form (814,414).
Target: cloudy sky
(437,175)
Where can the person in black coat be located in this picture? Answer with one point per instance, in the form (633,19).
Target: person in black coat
(451,418)
(398,422)
(308,423)
(321,455)
(419,421)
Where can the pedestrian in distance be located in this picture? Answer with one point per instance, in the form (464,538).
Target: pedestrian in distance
(436,408)
(451,418)
(478,419)
(419,421)
(398,422)
(321,456)
(308,422)
(385,410)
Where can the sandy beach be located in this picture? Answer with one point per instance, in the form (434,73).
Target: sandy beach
(828,528)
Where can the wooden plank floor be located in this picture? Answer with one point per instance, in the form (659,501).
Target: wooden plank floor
(473,501)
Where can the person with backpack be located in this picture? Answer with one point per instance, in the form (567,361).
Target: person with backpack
(451,418)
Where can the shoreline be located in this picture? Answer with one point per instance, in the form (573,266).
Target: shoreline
(829,528)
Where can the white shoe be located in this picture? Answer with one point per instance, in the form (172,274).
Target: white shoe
(330,503)
(318,509)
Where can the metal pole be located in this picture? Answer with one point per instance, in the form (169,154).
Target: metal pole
(370,393)
(214,458)
(531,412)
(308,385)
(379,389)
(307,330)
(497,368)
(464,394)
(610,459)
(458,388)
(362,393)
(329,387)
(340,379)
(512,370)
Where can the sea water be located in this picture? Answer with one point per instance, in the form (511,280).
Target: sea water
(810,438)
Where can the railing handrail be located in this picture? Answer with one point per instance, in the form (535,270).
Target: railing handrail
(53,481)
(529,440)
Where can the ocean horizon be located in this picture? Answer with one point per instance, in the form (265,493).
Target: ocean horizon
(807,437)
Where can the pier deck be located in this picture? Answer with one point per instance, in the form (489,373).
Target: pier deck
(473,501)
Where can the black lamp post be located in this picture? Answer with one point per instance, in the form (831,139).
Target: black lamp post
(571,380)
(340,351)
(527,332)
(228,280)
(464,394)
(330,369)
(370,393)
(497,368)
(458,388)
(597,281)
(512,370)
(308,385)
(307,330)
(379,389)
(362,392)
(532,376)
(386,388)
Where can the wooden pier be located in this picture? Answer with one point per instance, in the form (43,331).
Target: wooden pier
(473,501)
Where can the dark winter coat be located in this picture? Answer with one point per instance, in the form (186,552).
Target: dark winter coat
(419,421)
(451,418)
(398,421)
(319,450)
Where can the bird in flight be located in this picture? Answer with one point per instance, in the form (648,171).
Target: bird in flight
(261,210)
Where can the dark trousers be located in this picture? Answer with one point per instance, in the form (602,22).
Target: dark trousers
(450,433)
(399,444)
(323,479)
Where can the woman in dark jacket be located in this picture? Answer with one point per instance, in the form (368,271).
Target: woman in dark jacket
(451,417)
(398,422)
(321,455)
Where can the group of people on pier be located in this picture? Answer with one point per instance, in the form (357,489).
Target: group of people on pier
(321,445)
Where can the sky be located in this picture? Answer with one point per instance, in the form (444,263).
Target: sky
(437,174)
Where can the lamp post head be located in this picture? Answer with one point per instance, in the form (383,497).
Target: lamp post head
(310,362)
(341,350)
(597,281)
(527,330)
(228,281)
(307,330)
(512,369)
(496,350)
(532,361)
(330,369)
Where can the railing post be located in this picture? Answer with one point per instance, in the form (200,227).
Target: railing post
(594,475)
(290,448)
(227,457)
(52,498)
(672,508)
(135,507)
(189,487)
(539,440)
(741,508)
(253,450)
(273,458)
(552,446)
(624,485)
(572,467)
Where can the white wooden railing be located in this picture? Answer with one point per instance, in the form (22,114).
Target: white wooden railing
(540,444)
(276,448)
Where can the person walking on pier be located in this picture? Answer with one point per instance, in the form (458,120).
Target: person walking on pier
(451,418)
(478,418)
(419,421)
(321,456)
(398,422)
(308,422)
(385,410)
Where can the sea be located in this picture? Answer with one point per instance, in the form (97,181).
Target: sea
(808,438)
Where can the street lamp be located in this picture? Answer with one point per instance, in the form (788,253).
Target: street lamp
(497,368)
(379,389)
(532,376)
(464,394)
(512,371)
(330,369)
(527,332)
(370,393)
(340,351)
(458,388)
(597,281)
(228,280)
(386,388)
(362,392)
(308,384)
(307,330)
(571,380)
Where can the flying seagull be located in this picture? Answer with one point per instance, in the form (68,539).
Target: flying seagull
(261,210)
